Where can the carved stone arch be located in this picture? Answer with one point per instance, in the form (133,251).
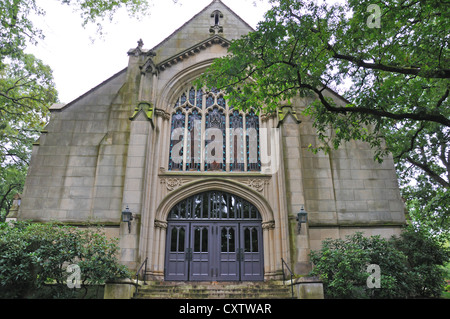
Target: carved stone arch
(178,83)
(209,184)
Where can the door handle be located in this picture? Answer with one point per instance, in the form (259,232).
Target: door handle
(188,254)
(240,254)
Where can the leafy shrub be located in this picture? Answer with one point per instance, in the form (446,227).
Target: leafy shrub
(425,261)
(35,255)
(410,266)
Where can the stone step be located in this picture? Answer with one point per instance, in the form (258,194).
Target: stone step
(178,290)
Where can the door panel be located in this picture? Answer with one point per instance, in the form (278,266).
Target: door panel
(200,265)
(252,265)
(177,251)
(228,263)
(222,251)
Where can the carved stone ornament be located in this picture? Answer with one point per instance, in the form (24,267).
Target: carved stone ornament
(160,224)
(172,183)
(269,224)
(138,50)
(162,113)
(257,184)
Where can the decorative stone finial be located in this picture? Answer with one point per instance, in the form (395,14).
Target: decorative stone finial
(140,44)
(138,50)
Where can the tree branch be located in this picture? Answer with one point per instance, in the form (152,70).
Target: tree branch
(430,74)
(413,139)
(429,172)
(442,99)
(438,118)
(436,74)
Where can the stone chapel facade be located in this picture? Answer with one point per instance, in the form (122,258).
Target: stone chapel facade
(144,138)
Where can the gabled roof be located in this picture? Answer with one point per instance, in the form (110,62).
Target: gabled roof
(216,39)
(199,31)
(195,17)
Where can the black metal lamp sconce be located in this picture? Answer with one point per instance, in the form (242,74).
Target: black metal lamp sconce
(127,217)
(302,218)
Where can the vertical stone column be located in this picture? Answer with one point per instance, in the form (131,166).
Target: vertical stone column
(140,132)
(269,250)
(154,238)
(294,188)
(275,232)
(159,250)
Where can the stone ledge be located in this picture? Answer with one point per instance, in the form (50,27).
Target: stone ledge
(308,288)
(120,289)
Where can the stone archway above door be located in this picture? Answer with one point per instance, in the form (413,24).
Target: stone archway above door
(215,236)
(185,189)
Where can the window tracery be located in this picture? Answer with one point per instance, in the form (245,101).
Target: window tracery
(207,134)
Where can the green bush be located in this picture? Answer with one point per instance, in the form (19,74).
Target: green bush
(410,266)
(34,256)
(426,259)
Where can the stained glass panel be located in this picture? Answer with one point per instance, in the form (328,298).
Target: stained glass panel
(183,99)
(176,141)
(194,142)
(236,150)
(192,96)
(215,146)
(212,205)
(199,99)
(252,135)
(209,101)
(243,150)
(221,101)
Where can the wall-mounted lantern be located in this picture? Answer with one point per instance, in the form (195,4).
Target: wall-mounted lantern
(302,218)
(127,217)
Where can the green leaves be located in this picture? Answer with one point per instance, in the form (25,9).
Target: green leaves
(26,92)
(394,78)
(96,11)
(34,255)
(409,266)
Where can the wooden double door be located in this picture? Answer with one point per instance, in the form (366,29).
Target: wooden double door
(214,251)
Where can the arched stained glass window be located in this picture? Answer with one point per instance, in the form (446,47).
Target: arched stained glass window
(214,205)
(207,134)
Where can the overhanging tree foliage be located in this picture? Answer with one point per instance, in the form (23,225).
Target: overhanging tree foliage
(393,74)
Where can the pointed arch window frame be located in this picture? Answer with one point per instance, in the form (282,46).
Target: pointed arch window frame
(233,158)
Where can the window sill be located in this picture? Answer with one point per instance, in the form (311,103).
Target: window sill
(214,174)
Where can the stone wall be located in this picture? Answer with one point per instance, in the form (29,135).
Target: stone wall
(78,163)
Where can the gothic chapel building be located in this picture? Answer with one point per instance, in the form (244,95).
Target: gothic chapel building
(214,192)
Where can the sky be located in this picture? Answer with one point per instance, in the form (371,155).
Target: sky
(81,59)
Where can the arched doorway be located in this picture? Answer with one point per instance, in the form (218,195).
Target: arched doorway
(214,236)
